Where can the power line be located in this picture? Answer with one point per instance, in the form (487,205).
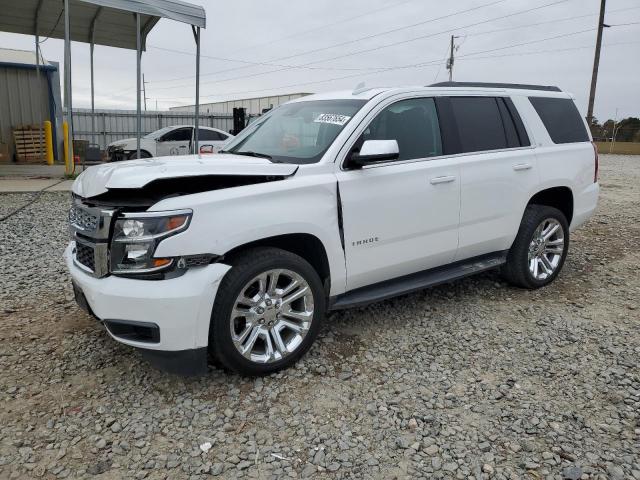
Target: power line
(470,56)
(253,63)
(380,47)
(400,67)
(332,24)
(366,37)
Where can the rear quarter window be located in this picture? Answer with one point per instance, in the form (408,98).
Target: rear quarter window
(561,119)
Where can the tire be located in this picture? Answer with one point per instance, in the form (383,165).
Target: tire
(143,154)
(529,247)
(225,322)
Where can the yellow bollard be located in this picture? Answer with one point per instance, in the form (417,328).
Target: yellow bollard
(68,162)
(48,142)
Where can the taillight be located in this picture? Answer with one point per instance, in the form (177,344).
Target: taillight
(596,162)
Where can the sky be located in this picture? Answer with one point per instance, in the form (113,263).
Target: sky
(255,48)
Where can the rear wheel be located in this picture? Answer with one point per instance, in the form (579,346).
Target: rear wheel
(267,312)
(540,248)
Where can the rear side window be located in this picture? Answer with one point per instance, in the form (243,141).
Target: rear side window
(210,135)
(480,125)
(561,119)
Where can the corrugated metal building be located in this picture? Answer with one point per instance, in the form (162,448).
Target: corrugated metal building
(26,99)
(254,106)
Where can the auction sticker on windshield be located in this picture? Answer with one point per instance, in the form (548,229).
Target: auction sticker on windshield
(333,118)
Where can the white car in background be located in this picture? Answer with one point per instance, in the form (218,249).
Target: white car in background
(174,140)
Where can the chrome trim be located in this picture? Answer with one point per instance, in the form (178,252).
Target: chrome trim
(104,219)
(159,213)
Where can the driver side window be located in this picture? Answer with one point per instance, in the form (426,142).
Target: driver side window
(413,123)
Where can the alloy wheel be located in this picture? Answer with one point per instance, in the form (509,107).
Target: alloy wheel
(271,316)
(546,249)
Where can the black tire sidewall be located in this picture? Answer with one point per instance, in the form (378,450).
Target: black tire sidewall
(534,215)
(243,271)
(143,154)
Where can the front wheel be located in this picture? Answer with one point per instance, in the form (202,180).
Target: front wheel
(143,154)
(267,312)
(540,248)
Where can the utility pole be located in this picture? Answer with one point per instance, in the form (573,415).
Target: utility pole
(596,63)
(144,92)
(450,60)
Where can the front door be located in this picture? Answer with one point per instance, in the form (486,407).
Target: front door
(175,142)
(401,216)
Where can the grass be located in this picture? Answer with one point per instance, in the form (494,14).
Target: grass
(620,148)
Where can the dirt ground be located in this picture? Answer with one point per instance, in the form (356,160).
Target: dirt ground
(474,379)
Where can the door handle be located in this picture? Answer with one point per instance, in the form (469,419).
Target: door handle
(522,166)
(437,180)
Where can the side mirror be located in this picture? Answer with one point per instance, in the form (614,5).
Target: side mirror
(375,151)
(207,149)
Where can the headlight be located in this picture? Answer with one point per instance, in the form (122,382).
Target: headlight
(136,236)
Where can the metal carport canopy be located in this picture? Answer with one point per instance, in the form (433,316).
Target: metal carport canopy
(112,23)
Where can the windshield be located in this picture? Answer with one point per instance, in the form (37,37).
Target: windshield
(158,133)
(297,132)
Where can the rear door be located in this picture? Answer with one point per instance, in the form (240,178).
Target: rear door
(211,141)
(498,172)
(401,216)
(175,142)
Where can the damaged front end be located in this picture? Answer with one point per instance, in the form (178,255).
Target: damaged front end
(115,234)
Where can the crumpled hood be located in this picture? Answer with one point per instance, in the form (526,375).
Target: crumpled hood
(138,173)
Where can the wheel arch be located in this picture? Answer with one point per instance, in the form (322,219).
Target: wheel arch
(305,245)
(142,150)
(560,197)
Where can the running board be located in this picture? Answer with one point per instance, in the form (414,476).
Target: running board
(417,281)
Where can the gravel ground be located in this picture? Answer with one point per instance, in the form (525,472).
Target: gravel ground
(473,379)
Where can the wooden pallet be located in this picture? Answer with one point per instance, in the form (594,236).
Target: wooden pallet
(29,141)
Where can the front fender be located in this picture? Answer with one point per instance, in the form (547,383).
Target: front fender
(225,219)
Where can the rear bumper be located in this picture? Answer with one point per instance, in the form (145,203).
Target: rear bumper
(170,316)
(585,203)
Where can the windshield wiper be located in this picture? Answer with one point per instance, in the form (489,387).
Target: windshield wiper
(252,154)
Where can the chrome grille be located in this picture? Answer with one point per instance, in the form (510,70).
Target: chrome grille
(90,227)
(83,220)
(85,255)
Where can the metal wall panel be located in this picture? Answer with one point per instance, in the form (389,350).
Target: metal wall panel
(112,125)
(23,101)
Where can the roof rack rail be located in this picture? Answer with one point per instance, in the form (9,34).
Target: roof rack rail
(520,86)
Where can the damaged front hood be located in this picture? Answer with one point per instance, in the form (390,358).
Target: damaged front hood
(138,173)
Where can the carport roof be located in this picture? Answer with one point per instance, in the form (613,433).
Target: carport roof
(114,24)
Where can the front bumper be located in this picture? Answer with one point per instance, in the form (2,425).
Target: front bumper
(180,307)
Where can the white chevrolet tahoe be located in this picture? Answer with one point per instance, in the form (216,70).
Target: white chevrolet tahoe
(327,202)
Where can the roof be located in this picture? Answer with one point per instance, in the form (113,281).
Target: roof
(20,57)
(438,89)
(113,24)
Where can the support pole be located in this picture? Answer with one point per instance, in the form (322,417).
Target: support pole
(67,87)
(138,69)
(450,61)
(38,81)
(92,43)
(596,63)
(196,135)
